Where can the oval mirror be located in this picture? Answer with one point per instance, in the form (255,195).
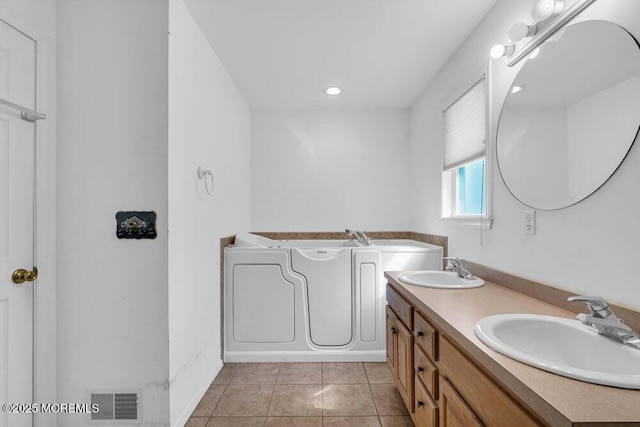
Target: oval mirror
(571,115)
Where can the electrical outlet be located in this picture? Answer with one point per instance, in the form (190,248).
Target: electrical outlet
(529,222)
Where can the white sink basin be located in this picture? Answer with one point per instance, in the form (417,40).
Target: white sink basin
(563,346)
(439,279)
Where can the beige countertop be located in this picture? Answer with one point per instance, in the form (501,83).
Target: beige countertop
(558,400)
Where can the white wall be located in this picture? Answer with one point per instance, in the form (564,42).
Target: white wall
(209,126)
(324,170)
(38,19)
(590,247)
(112,156)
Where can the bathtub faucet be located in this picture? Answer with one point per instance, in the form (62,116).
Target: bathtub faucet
(361,236)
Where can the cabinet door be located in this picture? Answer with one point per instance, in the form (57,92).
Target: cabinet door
(453,409)
(490,402)
(392,327)
(404,361)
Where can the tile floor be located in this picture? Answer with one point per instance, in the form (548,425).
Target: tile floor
(302,394)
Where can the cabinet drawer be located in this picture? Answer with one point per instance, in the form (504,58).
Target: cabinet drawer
(426,336)
(492,404)
(426,410)
(426,371)
(401,308)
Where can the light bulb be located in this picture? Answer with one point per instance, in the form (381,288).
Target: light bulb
(499,50)
(333,90)
(545,9)
(535,52)
(521,30)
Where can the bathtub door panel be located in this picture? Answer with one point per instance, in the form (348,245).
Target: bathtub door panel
(263,304)
(329,293)
(369,294)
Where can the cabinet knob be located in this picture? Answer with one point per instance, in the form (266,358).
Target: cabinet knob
(394,331)
(420,333)
(419,369)
(420,403)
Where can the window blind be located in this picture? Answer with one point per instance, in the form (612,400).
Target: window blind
(464,127)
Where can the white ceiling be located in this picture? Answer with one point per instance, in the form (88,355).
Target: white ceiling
(282,53)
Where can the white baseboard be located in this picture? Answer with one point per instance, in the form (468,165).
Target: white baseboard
(305,356)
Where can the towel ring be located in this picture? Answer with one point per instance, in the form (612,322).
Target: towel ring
(207,176)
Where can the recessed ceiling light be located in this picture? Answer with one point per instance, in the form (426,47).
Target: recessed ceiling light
(333,90)
(516,89)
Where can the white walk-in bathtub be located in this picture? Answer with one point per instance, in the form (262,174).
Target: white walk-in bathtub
(312,300)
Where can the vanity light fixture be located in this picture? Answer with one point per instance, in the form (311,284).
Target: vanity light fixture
(521,30)
(500,50)
(517,88)
(549,16)
(545,9)
(332,90)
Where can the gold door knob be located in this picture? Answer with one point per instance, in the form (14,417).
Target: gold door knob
(21,275)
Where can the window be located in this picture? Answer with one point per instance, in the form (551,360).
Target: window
(469,189)
(464,171)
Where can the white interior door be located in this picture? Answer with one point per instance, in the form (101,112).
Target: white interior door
(17,145)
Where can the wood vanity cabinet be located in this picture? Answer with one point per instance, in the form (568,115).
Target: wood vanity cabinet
(442,387)
(406,335)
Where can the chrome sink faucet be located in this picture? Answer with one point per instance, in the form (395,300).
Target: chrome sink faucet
(456,266)
(361,236)
(605,321)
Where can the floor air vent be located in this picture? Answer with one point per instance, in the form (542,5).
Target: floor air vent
(115,406)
